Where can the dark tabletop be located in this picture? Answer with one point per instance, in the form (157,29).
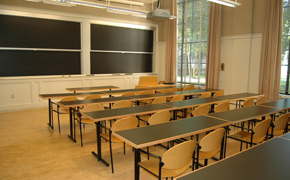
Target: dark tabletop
(120,91)
(194,102)
(238,96)
(280,104)
(154,134)
(92,101)
(267,161)
(123,112)
(59,95)
(244,114)
(91,88)
(286,136)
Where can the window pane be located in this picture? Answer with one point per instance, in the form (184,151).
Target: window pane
(192,40)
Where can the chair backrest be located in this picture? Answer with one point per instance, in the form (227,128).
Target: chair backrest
(147,92)
(159,117)
(201,110)
(218,93)
(148,80)
(125,123)
(95,96)
(129,94)
(224,106)
(281,122)
(70,98)
(261,100)
(93,107)
(248,102)
(177,98)
(121,104)
(159,100)
(188,88)
(262,128)
(179,156)
(205,94)
(212,141)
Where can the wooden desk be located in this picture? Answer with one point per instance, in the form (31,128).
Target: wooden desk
(240,96)
(282,104)
(91,88)
(244,114)
(267,161)
(155,134)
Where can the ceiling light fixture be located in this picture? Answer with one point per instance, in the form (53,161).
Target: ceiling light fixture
(227,3)
(134,3)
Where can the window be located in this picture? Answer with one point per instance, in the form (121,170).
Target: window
(192,27)
(284,83)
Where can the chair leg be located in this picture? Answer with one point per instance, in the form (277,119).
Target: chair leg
(148,152)
(111,156)
(205,162)
(241,146)
(81,133)
(124,149)
(58,122)
(247,145)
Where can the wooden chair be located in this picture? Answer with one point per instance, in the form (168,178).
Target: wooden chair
(218,93)
(205,94)
(95,96)
(253,136)
(261,100)
(145,93)
(188,88)
(159,117)
(60,110)
(84,120)
(129,94)
(121,104)
(280,125)
(177,98)
(148,81)
(223,106)
(210,146)
(201,110)
(248,102)
(174,161)
(120,125)
(158,100)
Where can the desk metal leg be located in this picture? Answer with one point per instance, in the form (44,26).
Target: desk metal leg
(71,136)
(137,159)
(99,144)
(50,123)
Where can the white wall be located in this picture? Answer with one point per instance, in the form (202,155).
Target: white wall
(241,55)
(22,93)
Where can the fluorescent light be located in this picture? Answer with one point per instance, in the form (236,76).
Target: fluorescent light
(139,15)
(128,2)
(226,3)
(34,0)
(118,12)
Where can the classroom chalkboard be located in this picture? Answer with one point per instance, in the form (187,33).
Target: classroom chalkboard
(32,63)
(108,63)
(56,36)
(112,38)
(27,32)
(105,38)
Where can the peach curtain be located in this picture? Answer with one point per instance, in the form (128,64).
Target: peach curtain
(171,44)
(213,46)
(271,51)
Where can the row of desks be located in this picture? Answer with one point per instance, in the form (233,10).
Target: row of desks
(269,160)
(152,135)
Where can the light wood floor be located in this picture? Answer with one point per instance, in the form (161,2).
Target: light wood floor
(31,150)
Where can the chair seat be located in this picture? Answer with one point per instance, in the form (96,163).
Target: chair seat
(246,136)
(153,166)
(207,155)
(63,111)
(276,132)
(87,120)
(113,138)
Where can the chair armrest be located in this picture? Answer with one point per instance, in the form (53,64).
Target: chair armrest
(150,154)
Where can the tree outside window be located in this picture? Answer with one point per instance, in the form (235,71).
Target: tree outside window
(192,29)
